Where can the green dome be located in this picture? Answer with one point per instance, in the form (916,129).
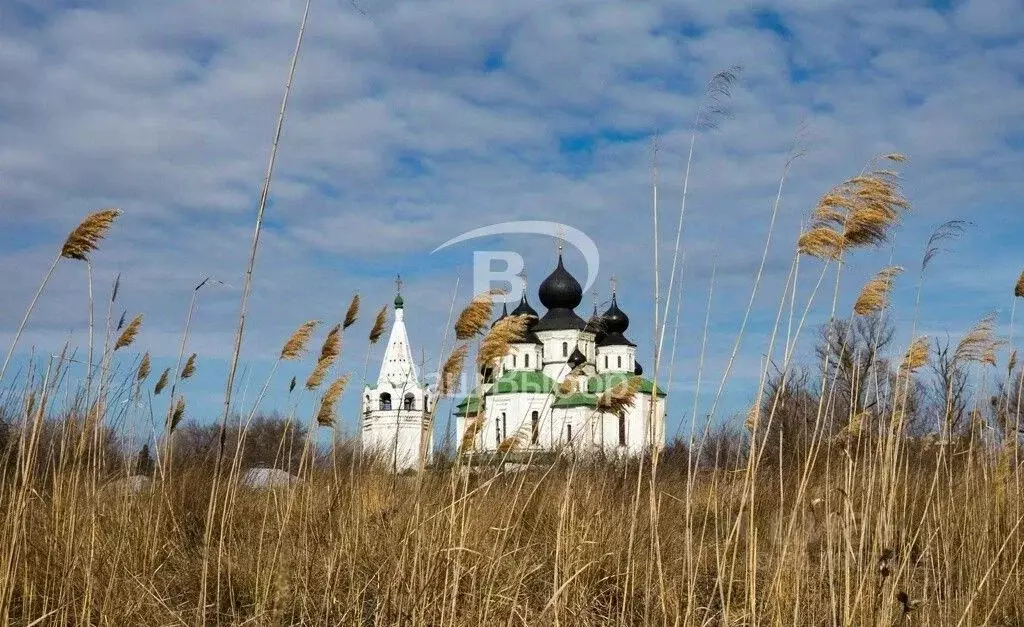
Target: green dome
(399,303)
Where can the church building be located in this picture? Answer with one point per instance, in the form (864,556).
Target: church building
(543,396)
(395,411)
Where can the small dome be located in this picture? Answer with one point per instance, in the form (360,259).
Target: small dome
(524,309)
(560,290)
(637,368)
(577,358)
(615,320)
(399,302)
(504,314)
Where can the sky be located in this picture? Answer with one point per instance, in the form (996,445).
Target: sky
(413,121)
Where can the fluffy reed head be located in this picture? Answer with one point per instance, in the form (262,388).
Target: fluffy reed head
(291,386)
(916,355)
(296,344)
(509,444)
(352,314)
(468,442)
(120,321)
(874,296)
(177,413)
(161,383)
(452,370)
(980,343)
(474,318)
(1012,364)
(144,368)
(86,237)
(190,367)
(858,212)
(328,412)
(752,418)
(328,354)
(131,331)
(497,341)
(378,325)
(619,397)
(1018,288)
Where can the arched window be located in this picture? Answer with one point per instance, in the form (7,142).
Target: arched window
(568,434)
(534,428)
(565,349)
(622,429)
(606,362)
(526,360)
(504,425)
(513,361)
(619,358)
(385,401)
(409,402)
(497,432)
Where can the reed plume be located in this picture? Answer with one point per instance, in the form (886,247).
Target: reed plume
(296,344)
(509,444)
(1018,289)
(86,237)
(753,414)
(619,397)
(328,412)
(874,296)
(190,367)
(468,442)
(916,355)
(144,368)
(1012,364)
(352,314)
(328,354)
(129,334)
(979,344)
(291,386)
(949,230)
(497,341)
(859,212)
(161,383)
(474,318)
(452,370)
(120,321)
(178,413)
(378,325)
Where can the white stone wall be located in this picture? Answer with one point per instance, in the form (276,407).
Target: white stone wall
(617,358)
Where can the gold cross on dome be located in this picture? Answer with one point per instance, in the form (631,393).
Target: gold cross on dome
(560,238)
(398,283)
(614,283)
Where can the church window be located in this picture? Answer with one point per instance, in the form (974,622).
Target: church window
(504,425)
(534,428)
(565,349)
(619,358)
(513,361)
(526,361)
(497,432)
(409,402)
(385,401)
(622,429)
(606,361)
(568,433)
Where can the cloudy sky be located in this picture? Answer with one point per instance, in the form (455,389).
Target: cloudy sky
(413,121)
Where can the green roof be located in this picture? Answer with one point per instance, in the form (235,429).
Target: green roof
(576,399)
(470,405)
(523,381)
(602,382)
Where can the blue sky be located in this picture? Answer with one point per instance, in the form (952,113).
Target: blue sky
(412,122)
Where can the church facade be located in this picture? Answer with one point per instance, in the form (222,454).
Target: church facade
(542,396)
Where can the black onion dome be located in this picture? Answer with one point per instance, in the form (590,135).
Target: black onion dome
(560,290)
(577,358)
(524,309)
(637,368)
(615,320)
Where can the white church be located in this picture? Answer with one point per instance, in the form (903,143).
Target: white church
(541,398)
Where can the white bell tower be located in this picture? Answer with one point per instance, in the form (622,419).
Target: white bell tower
(395,411)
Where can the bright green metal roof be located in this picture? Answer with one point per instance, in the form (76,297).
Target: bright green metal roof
(523,381)
(469,406)
(599,383)
(576,399)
